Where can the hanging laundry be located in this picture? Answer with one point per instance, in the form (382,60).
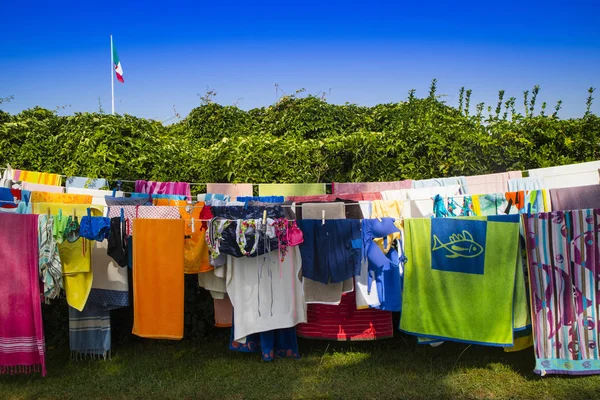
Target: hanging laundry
(291,189)
(232,190)
(571,175)
(59,198)
(6,181)
(50,266)
(383,268)
(421,200)
(529,183)
(15,201)
(22,345)
(366,187)
(520,202)
(350,212)
(453,266)
(213,196)
(575,198)
(491,183)
(562,250)
(263,199)
(98,196)
(223,312)
(143,212)
(265,292)
(344,322)
(314,291)
(152,187)
(89,333)
(37,177)
(441,182)
(75,256)
(38,187)
(78,182)
(158,278)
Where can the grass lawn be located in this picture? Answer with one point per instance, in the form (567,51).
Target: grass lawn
(393,368)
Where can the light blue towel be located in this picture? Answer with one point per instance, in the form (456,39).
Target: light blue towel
(515,185)
(439,182)
(86,183)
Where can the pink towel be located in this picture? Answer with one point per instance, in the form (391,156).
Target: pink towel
(232,190)
(22,348)
(365,187)
(491,183)
(152,187)
(38,187)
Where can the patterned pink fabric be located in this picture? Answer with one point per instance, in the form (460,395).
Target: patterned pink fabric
(152,187)
(22,346)
(333,197)
(365,187)
(491,183)
(146,212)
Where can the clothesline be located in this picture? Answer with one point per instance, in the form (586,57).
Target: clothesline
(194,183)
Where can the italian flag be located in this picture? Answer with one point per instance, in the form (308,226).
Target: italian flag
(118,67)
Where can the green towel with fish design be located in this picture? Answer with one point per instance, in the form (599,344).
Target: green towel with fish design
(459,278)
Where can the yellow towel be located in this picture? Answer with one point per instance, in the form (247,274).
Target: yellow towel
(37,177)
(158,280)
(63,198)
(388,208)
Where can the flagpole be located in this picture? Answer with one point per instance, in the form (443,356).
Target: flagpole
(112,75)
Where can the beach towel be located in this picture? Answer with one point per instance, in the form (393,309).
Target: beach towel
(61,198)
(291,189)
(571,175)
(22,346)
(89,333)
(151,187)
(562,254)
(158,278)
(459,278)
(38,187)
(491,183)
(233,190)
(441,182)
(86,183)
(575,198)
(37,177)
(365,187)
(529,183)
(344,322)
(98,196)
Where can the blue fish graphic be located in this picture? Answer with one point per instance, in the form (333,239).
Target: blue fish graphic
(459,245)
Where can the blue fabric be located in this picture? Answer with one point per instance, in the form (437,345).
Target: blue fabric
(169,196)
(106,299)
(384,268)
(264,199)
(214,196)
(94,228)
(328,254)
(89,331)
(278,343)
(128,201)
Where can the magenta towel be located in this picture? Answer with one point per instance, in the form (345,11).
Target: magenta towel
(151,187)
(365,187)
(22,348)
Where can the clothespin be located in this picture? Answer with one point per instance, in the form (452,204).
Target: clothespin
(114,194)
(322,217)
(119,184)
(122,214)
(48,211)
(264,217)
(193,225)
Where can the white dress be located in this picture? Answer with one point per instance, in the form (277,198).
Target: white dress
(265,293)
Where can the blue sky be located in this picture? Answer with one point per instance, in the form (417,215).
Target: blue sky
(57,53)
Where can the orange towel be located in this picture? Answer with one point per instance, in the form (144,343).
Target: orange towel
(195,250)
(158,278)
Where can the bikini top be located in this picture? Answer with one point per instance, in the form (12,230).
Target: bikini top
(71,232)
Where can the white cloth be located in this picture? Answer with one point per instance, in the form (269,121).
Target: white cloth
(214,281)
(421,199)
(261,299)
(108,275)
(568,175)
